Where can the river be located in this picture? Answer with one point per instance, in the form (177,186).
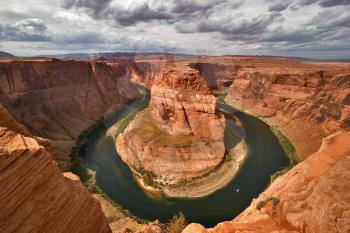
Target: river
(265,157)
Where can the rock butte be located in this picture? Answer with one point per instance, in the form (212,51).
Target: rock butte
(46,103)
(181,134)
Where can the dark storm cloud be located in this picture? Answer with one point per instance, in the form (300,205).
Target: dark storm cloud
(120,15)
(330,3)
(307,2)
(140,13)
(325,3)
(94,7)
(168,11)
(30,30)
(194,7)
(278,6)
(189,6)
(332,19)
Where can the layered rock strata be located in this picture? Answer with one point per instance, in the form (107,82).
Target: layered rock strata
(306,102)
(35,196)
(310,104)
(57,99)
(312,197)
(180,135)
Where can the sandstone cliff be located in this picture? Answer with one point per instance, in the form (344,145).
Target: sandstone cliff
(312,197)
(57,99)
(35,196)
(310,103)
(45,104)
(180,135)
(307,102)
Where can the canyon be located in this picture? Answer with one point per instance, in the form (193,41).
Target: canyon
(47,103)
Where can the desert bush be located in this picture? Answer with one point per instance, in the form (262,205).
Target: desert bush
(273,200)
(177,223)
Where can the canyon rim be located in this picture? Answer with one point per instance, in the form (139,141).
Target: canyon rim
(186,116)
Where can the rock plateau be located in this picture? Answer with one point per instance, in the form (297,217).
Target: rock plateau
(181,134)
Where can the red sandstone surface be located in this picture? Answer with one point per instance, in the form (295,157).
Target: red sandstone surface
(180,135)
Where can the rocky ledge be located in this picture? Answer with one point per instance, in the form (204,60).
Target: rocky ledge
(181,134)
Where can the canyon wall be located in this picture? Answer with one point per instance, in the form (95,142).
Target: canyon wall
(57,100)
(44,106)
(35,196)
(180,135)
(312,197)
(307,102)
(310,103)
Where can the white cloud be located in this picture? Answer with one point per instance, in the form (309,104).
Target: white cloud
(308,28)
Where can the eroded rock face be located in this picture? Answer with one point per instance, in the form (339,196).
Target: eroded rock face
(180,135)
(45,104)
(57,99)
(311,105)
(312,197)
(305,101)
(36,197)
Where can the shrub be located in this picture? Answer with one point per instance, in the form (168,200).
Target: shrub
(273,200)
(177,224)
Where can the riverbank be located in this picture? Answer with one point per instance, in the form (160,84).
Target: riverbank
(284,141)
(117,217)
(201,186)
(214,180)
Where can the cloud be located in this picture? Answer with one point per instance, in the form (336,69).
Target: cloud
(307,2)
(32,30)
(239,26)
(330,3)
(94,7)
(136,14)
(82,38)
(213,26)
(331,19)
(325,3)
(171,12)
(278,6)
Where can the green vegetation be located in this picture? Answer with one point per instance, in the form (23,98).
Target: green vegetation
(77,162)
(288,148)
(125,212)
(177,224)
(87,176)
(283,140)
(273,200)
(122,124)
(147,177)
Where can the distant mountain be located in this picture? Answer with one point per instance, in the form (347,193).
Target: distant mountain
(6,55)
(106,55)
(91,56)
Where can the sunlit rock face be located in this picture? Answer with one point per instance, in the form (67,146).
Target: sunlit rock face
(35,195)
(310,104)
(307,102)
(180,135)
(57,99)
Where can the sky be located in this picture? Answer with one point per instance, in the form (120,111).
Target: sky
(301,28)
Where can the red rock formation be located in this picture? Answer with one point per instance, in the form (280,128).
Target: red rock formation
(306,102)
(311,105)
(35,196)
(181,135)
(57,99)
(312,197)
